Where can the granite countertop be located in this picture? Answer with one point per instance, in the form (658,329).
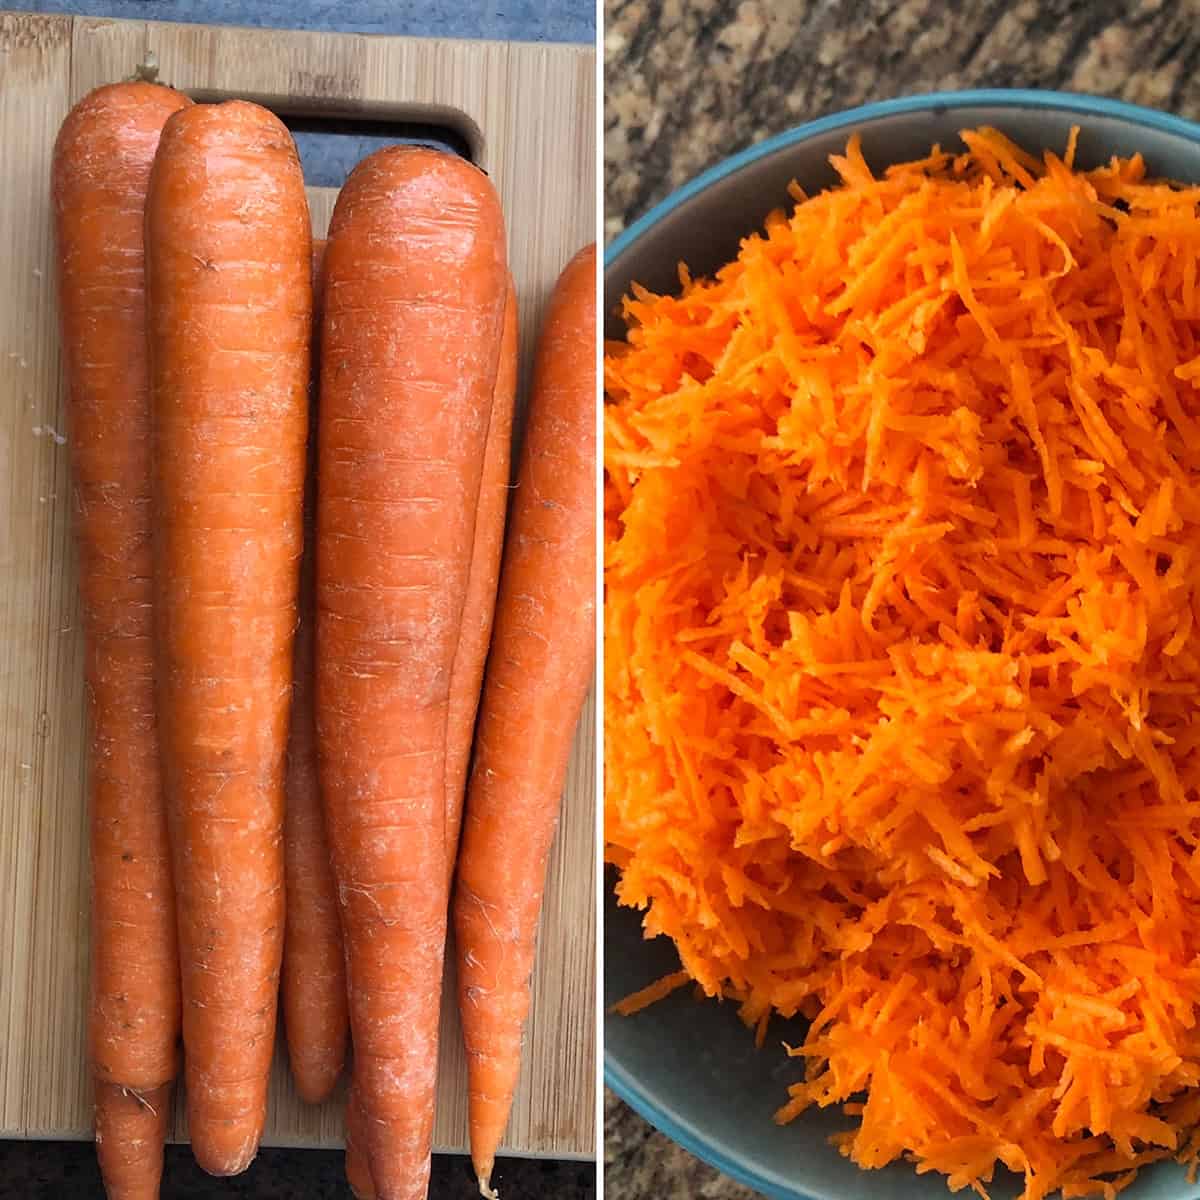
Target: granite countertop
(689,82)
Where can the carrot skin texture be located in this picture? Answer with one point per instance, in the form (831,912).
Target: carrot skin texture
(230,298)
(101,172)
(358,1175)
(313,991)
(131,1129)
(414,300)
(479,607)
(541,661)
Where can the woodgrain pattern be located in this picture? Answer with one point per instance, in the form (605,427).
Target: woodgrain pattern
(42,846)
(527,111)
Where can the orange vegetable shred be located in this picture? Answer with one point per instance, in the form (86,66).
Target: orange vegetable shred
(658,990)
(902,577)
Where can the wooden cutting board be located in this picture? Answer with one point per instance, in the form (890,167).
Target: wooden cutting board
(527,111)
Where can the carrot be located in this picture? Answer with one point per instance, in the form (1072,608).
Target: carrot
(358,1175)
(660,989)
(230,298)
(131,1130)
(313,991)
(414,306)
(101,170)
(541,660)
(901,655)
(479,606)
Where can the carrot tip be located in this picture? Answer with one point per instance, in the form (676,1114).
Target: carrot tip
(486,1190)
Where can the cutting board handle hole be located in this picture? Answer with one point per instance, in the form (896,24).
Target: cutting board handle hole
(332,142)
(331,147)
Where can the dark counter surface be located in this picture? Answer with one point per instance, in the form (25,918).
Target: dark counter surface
(68,1171)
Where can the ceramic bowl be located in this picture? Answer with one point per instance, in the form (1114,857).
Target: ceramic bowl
(691,1068)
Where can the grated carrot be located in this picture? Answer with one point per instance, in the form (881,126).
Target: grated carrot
(902,571)
(658,990)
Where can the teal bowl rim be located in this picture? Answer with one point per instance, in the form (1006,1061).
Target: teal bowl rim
(615,1076)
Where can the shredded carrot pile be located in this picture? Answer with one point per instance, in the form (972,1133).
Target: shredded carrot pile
(902,659)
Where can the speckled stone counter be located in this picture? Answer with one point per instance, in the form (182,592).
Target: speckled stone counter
(689,82)
(642,1164)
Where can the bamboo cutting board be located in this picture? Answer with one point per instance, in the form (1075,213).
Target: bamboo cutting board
(526,110)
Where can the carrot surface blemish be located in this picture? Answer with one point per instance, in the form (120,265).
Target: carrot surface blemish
(901,571)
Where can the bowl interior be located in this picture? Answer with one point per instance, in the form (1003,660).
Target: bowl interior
(691,1068)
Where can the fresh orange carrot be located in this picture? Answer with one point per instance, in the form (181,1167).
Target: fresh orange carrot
(101,172)
(358,1174)
(475,631)
(541,660)
(230,310)
(313,990)
(414,308)
(131,1130)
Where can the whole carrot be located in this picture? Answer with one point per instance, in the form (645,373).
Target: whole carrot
(313,990)
(230,300)
(414,306)
(479,605)
(541,660)
(101,171)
